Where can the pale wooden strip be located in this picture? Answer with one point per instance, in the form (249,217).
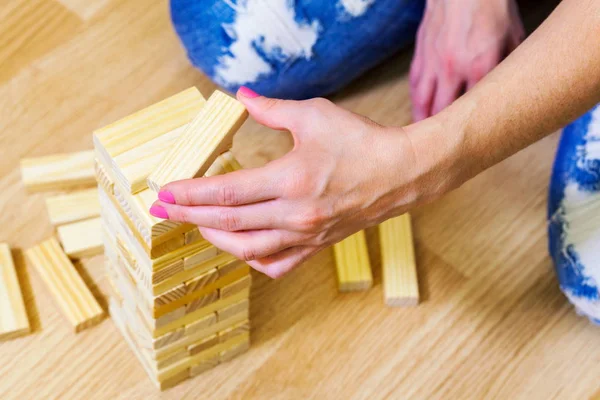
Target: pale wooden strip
(204,365)
(68,289)
(200,324)
(208,135)
(73,207)
(132,167)
(400,283)
(237,285)
(201,280)
(104,181)
(201,256)
(234,351)
(147,124)
(234,330)
(59,171)
(201,302)
(83,238)
(352,263)
(13,315)
(193,236)
(242,307)
(204,344)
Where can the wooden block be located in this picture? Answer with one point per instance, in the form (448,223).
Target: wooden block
(193,236)
(200,313)
(203,344)
(167,272)
(242,307)
(352,263)
(147,124)
(168,338)
(230,267)
(202,302)
(172,359)
(132,167)
(168,318)
(234,351)
(400,283)
(83,238)
(204,365)
(73,207)
(235,330)
(59,171)
(68,289)
(104,181)
(209,135)
(208,252)
(174,294)
(223,164)
(168,246)
(200,324)
(202,280)
(238,285)
(174,380)
(13,315)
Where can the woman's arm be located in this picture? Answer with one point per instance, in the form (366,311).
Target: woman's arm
(346,172)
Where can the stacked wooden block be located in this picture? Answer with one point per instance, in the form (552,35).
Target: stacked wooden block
(180,303)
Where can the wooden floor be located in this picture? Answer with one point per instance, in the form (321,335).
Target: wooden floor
(493,323)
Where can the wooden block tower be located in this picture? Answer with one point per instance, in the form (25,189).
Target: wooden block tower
(180,303)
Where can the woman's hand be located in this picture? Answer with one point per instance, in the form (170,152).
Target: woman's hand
(345,173)
(458,44)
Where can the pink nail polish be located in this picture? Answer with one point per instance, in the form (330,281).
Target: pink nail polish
(159,212)
(247,92)
(167,197)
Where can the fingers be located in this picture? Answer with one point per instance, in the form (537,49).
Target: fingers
(422,97)
(447,90)
(481,66)
(280,263)
(273,113)
(263,215)
(252,245)
(232,189)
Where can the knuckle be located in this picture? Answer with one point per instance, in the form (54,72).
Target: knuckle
(228,221)
(179,214)
(248,254)
(227,196)
(313,219)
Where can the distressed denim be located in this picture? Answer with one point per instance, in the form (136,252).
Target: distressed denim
(292,49)
(574,214)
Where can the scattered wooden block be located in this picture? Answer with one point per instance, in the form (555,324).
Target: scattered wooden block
(13,315)
(147,124)
(68,289)
(59,171)
(73,207)
(352,263)
(82,239)
(400,283)
(208,135)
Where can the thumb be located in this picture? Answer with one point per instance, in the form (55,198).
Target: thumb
(273,113)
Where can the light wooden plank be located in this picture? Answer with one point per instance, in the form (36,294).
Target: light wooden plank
(200,324)
(201,280)
(234,330)
(234,351)
(208,135)
(352,263)
(204,344)
(400,283)
(58,171)
(223,164)
(242,307)
(238,285)
(83,238)
(147,124)
(132,167)
(13,315)
(73,207)
(66,286)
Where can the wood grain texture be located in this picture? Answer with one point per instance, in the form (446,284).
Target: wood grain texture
(207,136)
(352,263)
(492,323)
(13,315)
(400,283)
(82,239)
(73,207)
(58,171)
(68,289)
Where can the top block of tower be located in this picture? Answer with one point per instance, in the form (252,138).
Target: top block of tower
(203,140)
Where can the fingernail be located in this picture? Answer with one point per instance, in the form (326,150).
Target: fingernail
(159,212)
(247,92)
(167,197)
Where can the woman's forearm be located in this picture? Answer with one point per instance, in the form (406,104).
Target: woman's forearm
(552,78)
